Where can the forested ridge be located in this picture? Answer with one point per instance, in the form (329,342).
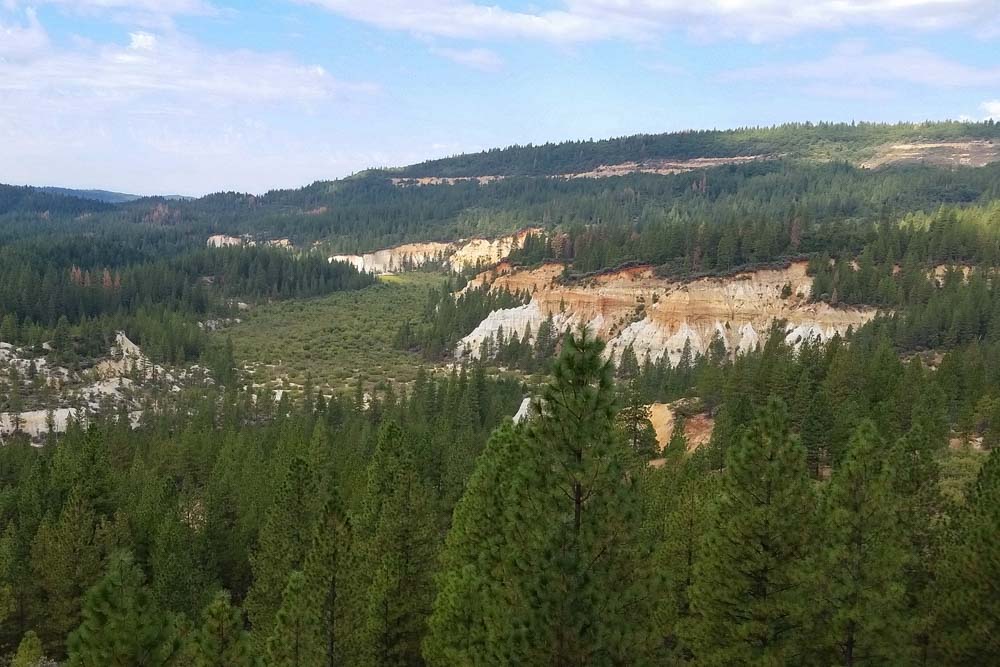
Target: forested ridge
(839,141)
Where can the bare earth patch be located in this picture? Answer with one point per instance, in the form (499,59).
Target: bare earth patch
(943,154)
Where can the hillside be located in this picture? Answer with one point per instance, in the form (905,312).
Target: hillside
(860,143)
(105,196)
(419,369)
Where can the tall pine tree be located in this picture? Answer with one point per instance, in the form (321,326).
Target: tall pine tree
(122,626)
(968,630)
(282,545)
(222,640)
(859,585)
(573,582)
(747,596)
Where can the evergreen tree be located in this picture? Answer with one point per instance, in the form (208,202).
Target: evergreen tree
(222,640)
(295,631)
(747,596)
(574,583)
(634,421)
(324,573)
(859,571)
(677,446)
(968,631)
(179,580)
(65,561)
(122,626)
(396,544)
(474,621)
(282,544)
(916,479)
(686,517)
(29,652)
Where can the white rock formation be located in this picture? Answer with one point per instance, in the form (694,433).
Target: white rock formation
(456,255)
(223,241)
(658,317)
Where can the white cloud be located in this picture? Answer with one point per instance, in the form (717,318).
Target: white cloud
(161,112)
(853,67)
(166,7)
(21,40)
(141,41)
(169,68)
(158,14)
(992,109)
(481,59)
(469,20)
(589,20)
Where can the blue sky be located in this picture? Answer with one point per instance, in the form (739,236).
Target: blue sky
(194,96)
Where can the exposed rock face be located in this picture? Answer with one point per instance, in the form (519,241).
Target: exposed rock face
(943,154)
(651,166)
(659,317)
(394,260)
(116,381)
(457,255)
(697,428)
(223,241)
(662,167)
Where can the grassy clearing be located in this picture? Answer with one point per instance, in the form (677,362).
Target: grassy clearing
(334,339)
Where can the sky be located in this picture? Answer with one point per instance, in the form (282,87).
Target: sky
(197,96)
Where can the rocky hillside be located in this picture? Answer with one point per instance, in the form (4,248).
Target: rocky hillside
(656,316)
(456,255)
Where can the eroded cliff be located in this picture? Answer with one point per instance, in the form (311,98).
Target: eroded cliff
(656,316)
(456,255)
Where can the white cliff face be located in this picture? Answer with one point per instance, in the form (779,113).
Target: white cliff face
(223,241)
(658,317)
(400,258)
(457,255)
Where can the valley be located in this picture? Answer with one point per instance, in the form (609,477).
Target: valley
(379,415)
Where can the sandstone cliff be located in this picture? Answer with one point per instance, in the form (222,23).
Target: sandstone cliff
(456,255)
(657,316)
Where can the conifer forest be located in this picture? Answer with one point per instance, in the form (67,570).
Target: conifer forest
(749,414)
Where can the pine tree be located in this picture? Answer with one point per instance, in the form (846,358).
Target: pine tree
(396,544)
(65,561)
(282,544)
(568,578)
(921,512)
(634,421)
(179,580)
(859,572)
(677,446)
(294,633)
(324,572)
(474,621)
(686,516)
(222,640)
(122,627)
(29,652)
(968,590)
(747,594)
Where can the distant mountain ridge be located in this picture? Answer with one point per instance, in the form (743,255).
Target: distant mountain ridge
(106,196)
(858,143)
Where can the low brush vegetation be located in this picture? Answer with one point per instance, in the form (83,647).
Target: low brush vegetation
(334,341)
